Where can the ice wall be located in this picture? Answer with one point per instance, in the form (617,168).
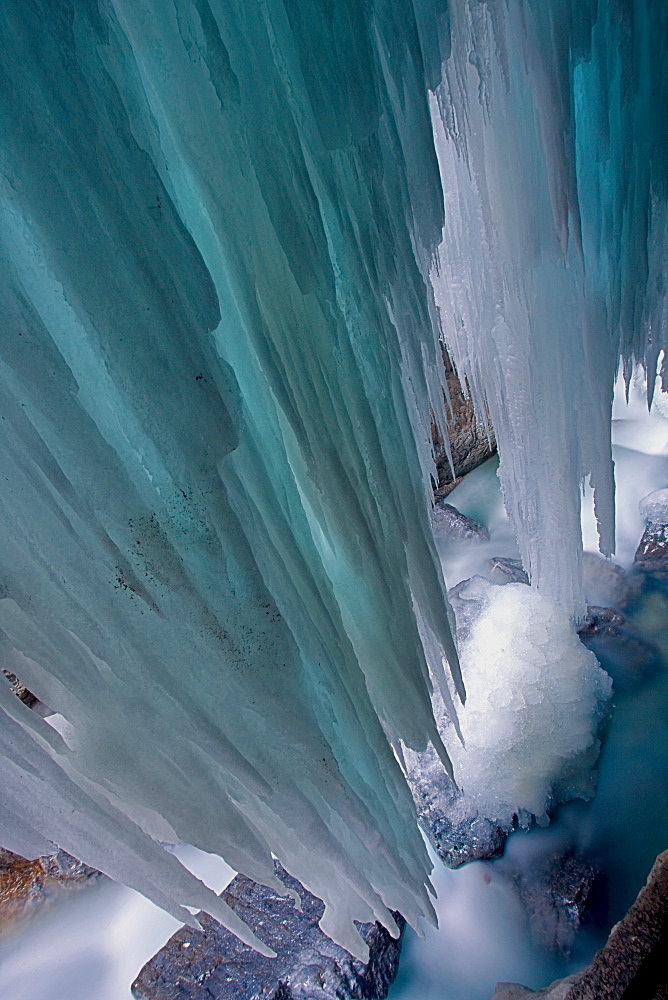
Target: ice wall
(550,126)
(218,365)
(216,392)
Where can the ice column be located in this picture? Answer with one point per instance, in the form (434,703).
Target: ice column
(547,124)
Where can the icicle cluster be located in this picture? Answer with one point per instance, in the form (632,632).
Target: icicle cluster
(217,557)
(218,370)
(550,126)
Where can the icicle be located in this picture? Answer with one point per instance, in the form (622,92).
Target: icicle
(549,262)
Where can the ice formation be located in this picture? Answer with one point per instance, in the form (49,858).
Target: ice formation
(548,124)
(534,698)
(219,363)
(654,507)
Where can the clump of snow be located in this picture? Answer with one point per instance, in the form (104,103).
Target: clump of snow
(654,507)
(535,699)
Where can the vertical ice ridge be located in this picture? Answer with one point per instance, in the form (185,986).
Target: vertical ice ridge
(547,269)
(219,372)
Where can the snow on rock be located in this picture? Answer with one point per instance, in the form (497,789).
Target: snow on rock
(211,962)
(654,507)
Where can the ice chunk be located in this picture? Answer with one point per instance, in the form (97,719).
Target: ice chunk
(654,507)
(535,698)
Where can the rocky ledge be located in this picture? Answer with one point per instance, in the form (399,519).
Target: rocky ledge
(213,964)
(631,966)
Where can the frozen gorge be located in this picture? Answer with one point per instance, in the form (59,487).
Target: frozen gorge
(233,237)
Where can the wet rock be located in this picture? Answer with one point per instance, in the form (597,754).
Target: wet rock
(651,558)
(455,830)
(632,965)
(450,523)
(502,570)
(212,964)
(469,443)
(619,647)
(555,891)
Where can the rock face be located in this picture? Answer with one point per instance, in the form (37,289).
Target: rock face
(469,444)
(456,833)
(212,964)
(633,963)
(450,523)
(555,892)
(27,886)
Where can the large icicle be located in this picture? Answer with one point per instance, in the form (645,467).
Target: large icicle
(550,126)
(215,536)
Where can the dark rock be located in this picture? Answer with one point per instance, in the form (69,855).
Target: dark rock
(20,690)
(213,964)
(632,965)
(651,556)
(469,443)
(457,833)
(555,892)
(619,647)
(450,523)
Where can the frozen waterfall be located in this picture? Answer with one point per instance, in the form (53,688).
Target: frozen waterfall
(232,235)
